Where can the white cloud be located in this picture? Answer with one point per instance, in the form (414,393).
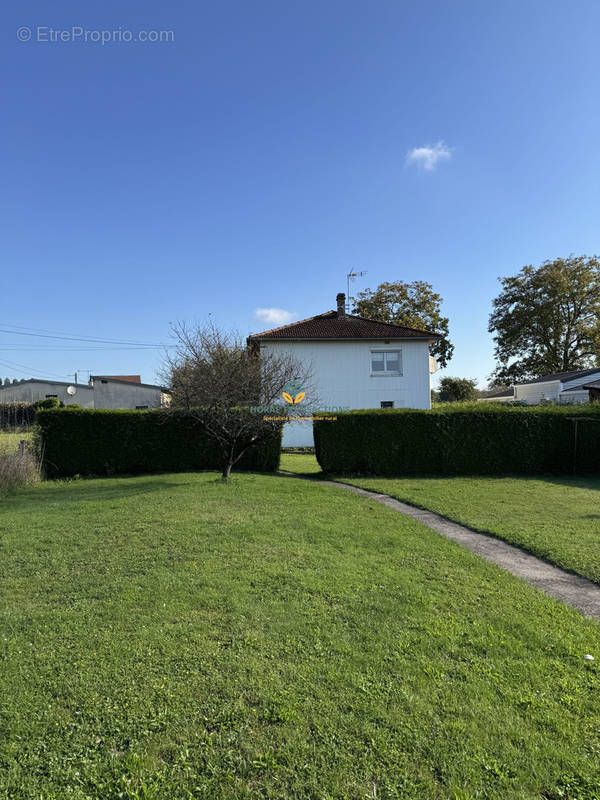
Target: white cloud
(429,156)
(274,316)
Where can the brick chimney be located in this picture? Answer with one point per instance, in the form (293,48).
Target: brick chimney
(341,304)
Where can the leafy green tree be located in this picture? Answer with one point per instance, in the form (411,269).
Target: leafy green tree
(413,305)
(456,390)
(547,319)
(7,381)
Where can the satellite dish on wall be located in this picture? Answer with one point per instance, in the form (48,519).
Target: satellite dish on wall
(71,390)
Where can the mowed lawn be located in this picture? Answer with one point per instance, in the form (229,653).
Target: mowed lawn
(172,637)
(556,518)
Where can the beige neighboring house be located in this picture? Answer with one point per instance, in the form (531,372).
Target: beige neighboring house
(102,391)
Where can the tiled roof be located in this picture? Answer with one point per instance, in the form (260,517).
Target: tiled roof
(332,325)
(127,378)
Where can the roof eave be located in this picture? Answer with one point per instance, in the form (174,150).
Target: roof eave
(259,338)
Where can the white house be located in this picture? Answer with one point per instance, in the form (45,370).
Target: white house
(102,391)
(355,363)
(559,387)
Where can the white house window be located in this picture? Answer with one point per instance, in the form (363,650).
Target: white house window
(386,362)
(387,404)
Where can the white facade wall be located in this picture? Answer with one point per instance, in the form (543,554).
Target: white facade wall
(32,391)
(555,391)
(581,396)
(341,375)
(534,393)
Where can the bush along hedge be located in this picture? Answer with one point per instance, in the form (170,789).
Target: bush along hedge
(461,441)
(106,442)
(17,415)
(22,415)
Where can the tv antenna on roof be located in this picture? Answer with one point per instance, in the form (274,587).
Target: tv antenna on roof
(352,276)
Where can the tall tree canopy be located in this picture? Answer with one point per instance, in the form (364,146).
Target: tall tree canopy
(414,305)
(547,319)
(457,390)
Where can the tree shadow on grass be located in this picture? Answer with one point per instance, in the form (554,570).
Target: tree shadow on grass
(91,490)
(591,482)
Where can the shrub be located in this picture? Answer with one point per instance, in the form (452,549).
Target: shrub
(18,470)
(106,442)
(463,439)
(49,402)
(17,415)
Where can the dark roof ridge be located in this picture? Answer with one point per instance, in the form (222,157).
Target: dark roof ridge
(333,315)
(291,324)
(563,377)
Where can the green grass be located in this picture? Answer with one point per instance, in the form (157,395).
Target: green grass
(302,463)
(555,518)
(9,442)
(171,637)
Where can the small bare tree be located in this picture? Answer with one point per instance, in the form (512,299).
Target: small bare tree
(232,390)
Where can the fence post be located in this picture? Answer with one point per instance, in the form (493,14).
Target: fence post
(22,447)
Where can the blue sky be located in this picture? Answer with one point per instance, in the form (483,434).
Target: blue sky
(260,156)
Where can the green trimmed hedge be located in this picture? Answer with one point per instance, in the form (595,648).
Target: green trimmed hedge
(105,442)
(464,440)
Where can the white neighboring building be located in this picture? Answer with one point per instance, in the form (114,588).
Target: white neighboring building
(559,387)
(355,363)
(101,392)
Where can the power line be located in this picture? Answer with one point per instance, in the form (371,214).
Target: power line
(69,337)
(51,348)
(15,365)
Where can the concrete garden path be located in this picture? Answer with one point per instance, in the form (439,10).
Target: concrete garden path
(573,590)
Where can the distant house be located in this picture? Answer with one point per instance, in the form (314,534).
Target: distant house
(558,387)
(127,391)
(30,391)
(593,389)
(504,396)
(102,391)
(355,363)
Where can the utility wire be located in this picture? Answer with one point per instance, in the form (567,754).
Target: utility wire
(52,348)
(14,365)
(68,337)
(80,339)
